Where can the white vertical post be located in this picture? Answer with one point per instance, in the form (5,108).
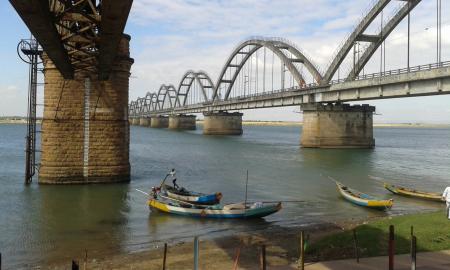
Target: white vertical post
(87,94)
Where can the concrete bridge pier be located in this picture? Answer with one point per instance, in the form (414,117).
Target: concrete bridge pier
(159,121)
(144,121)
(135,121)
(222,123)
(337,126)
(182,122)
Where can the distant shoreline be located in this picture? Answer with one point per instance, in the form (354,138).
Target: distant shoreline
(20,120)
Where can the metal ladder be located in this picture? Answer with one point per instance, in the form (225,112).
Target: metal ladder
(30,51)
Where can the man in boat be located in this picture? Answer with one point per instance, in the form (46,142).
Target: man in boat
(175,185)
(446,197)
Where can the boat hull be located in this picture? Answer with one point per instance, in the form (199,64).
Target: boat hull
(192,197)
(258,212)
(198,199)
(366,202)
(403,191)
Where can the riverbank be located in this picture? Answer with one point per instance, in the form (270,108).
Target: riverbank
(325,242)
(376,125)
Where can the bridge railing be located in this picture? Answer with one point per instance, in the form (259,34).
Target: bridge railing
(396,72)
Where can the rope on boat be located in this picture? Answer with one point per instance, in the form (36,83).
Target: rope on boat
(143,192)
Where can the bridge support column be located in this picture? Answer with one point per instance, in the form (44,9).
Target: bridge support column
(159,121)
(144,121)
(85,128)
(135,121)
(182,122)
(337,126)
(222,123)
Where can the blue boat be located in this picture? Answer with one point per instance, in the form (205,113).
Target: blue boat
(183,194)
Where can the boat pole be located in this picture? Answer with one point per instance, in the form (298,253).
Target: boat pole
(246,187)
(196,253)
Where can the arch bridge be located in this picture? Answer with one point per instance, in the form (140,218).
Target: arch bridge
(273,72)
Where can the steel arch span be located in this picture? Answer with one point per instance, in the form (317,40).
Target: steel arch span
(374,40)
(186,84)
(166,97)
(278,47)
(150,102)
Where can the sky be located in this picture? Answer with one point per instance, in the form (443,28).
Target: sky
(171,37)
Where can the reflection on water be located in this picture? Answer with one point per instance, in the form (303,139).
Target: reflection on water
(41,223)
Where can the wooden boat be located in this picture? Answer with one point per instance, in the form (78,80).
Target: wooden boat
(399,190)
(237,210)
(363,199)
(191,196)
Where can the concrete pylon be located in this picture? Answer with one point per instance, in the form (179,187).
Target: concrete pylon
(182,122)
(135,121)
(144,121)
(85,128)
(337,126)
(222,123)
(159,121)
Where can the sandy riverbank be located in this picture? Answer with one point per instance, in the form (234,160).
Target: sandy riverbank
(216,253)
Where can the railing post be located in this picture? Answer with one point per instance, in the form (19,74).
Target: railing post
(355,241)
(165,256)
(391,247)
(302,251)
(413,252)
(196,253)
(75,265)
(236,260)
(263,258)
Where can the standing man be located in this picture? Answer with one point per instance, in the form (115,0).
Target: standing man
(446,197)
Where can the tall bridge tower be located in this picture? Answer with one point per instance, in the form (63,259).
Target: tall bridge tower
(85,130)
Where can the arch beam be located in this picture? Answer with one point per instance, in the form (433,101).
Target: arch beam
(384,33)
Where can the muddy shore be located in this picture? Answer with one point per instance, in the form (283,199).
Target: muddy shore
(282,250)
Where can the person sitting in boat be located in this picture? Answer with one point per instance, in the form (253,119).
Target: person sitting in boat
(446,197)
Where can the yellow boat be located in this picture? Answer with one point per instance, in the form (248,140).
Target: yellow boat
(363,199)
(399,190)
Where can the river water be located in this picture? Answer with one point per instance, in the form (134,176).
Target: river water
(41,223)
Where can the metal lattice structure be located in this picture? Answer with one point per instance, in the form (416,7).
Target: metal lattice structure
(77,35)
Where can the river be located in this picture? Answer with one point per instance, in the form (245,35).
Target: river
(41,223)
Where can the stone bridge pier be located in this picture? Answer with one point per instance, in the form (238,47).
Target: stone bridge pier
(144,121)
(85,128)
(182,122)
(222,123)
(337,126)
(159,121)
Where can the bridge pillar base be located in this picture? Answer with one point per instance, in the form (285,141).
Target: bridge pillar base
(159,122)
(182,122)
(85,125)
(337,126)
(222,123)
(135,121)
(144,121)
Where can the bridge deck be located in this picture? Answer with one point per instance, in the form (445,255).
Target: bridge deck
(393,84)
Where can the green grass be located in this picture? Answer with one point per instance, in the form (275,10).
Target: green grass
(432,231)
